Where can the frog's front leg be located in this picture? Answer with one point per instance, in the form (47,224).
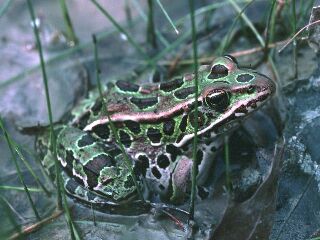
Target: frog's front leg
(181,170)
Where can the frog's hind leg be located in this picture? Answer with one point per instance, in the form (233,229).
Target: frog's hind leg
(100,202)
(96,166)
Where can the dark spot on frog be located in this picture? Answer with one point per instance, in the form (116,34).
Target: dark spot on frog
(199,157)
(183,93)
(143,103)
(183,123)
(133,126)
(125,138)
(163,161)
(171,85)
(156,172)
(98,163)
(127,86)
(243,78)
(102,130)
(202,192)
(173,151)
(193,104)
(185,147)
(201,119)
(69,157)
(96,107)
(218,71)
(83,120)
(142,164)
(128,183)
(161,187)
(154,135)
(111,149)
(179,138)
(168,127)
(85,140)
(213,149)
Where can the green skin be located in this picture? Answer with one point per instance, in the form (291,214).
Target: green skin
(155,123)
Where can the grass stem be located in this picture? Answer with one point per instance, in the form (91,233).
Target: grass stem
(70,31)
(113,128)
(120,29)
(151,35)
(196,94)
(45,82)
(14,159)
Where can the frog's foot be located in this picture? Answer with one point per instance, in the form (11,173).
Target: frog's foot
(129,206)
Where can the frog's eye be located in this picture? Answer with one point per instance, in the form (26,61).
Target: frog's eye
(217,100)
(218,71)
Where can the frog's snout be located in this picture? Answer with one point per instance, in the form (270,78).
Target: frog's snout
(265,84)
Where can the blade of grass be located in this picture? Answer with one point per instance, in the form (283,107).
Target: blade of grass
(145,18)
(270,29)
(227,162)
(258,37)
(4,7)
(30,189)
(45,82)
(151,36)
(206,9)
(227,38)
(67,20)
(248,22)
(127,10)
(121,30)
(294,29)
(14,159)
(31,171)
(10,216)
(304,11)
(167,16)
(196,95)
(113,128)
(73,230)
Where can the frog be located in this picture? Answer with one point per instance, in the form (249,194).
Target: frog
(155,123)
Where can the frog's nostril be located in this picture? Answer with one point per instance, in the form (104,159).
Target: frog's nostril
(250,89)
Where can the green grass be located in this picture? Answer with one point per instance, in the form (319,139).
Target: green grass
(196,95)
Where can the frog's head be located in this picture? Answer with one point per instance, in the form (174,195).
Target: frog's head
(233,91)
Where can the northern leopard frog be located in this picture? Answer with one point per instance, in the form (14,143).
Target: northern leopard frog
(155,123)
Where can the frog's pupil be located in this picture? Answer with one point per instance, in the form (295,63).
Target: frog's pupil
(218,71)
(217,100)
